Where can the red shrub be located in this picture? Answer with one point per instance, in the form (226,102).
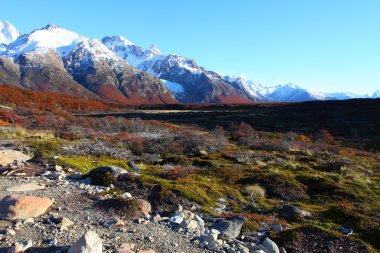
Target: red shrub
(10,117)
(178,172)
(326,136)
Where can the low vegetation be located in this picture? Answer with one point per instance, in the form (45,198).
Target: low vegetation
(332,176)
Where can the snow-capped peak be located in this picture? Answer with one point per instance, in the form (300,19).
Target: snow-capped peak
(376,94)
(8,33)
(50,27)
(48,37)
(94,48)
(154,49)
(116,42)
(291,86)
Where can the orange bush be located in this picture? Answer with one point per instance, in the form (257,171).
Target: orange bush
(304,138)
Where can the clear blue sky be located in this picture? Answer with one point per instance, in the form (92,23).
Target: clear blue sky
(327,45)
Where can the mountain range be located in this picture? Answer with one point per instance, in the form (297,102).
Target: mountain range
(116,70)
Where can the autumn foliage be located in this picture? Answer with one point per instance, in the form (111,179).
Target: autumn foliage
(48,101)
(10,118)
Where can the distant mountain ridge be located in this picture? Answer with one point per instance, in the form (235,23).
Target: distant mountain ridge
(182,74)
(115,69)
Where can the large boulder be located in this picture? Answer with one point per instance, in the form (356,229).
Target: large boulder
(90,242)
(292,213)
(229,228)
(8,157)
(15,207)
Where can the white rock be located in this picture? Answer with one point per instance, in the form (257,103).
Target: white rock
(21,247)
(66,223)
(29,220)
(199,220)
(11,232)
(177,219)
(189,224)
(58,168)
(214,231)
(88,243)
(126,195)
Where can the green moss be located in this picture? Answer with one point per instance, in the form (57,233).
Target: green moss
(365,227)
(277,185)
(205,191)
(86,163)
(250,226)
(312,237)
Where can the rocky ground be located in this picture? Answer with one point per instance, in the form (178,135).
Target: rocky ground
(47,208)
(73,203)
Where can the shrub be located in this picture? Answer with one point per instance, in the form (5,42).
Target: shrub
(242,130)
(10,117)
(277,185)
(269,145)
(359,177)
(97,148)
(255,191)
(126,208)
(326,136)
(177,172)
(304,138)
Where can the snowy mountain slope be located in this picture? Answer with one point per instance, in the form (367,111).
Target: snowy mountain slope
(347,95)
(114,78)
(133,54)
(294,93)
(201,85)
(8,33)
(376,94)
(53,58)
(48,37)
(3,48)
(198,84)
(280,93)
(175,88)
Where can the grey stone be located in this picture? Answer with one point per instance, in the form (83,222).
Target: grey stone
(277,228)
(177,208)
(270,245)
(229,228)
(292,213)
